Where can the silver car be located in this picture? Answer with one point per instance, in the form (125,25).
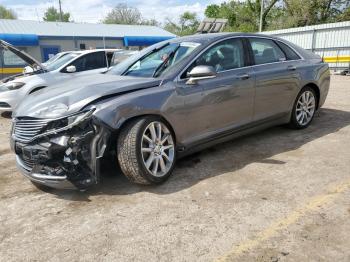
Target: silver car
(15,88)
(170,100)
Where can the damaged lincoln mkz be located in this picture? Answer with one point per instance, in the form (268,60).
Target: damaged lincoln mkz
(171,99)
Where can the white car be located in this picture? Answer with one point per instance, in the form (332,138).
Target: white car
(15,88)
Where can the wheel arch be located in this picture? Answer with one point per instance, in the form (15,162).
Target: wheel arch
(315,87)
(122,123)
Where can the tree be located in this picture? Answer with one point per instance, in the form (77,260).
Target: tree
(151,22)
(242,15)
(52,14)
(7,13)
(187,24)
(123,14)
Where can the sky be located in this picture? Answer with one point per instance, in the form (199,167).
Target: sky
(93,11)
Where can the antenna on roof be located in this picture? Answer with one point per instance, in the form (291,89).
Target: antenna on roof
(211,25)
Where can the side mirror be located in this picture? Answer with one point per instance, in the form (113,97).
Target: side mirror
(200,73)
(71,69)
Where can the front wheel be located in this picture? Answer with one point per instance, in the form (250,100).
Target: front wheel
(146,151)
(304,108)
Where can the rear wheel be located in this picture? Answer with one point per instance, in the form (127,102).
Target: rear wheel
(304,108)
(146,151)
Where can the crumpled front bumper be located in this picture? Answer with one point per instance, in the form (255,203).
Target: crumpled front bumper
(72,164)
(59,182)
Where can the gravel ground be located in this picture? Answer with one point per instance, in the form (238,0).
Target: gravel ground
(279,195)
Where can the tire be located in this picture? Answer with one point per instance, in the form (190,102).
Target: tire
(305,103)
(139,158)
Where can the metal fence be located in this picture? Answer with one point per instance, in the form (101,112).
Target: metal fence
(330,41)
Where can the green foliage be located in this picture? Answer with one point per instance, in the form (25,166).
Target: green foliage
(187,24)
(244,16)
(7,13)
(52,14)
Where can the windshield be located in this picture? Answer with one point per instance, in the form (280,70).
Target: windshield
(60,62)
(160,60)
(55,57)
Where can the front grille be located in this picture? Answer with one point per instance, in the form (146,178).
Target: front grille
(26,129)
(29,164)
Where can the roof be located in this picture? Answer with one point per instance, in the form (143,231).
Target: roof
(39,28)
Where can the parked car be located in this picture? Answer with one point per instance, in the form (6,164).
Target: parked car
(171,99)
(15,88)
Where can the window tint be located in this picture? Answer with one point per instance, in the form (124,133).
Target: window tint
(90,61)
(223,56)
(266,51)
(291,55)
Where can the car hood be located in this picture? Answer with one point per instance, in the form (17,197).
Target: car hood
(81,91)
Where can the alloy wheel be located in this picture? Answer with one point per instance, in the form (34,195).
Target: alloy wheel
(305,108)
(157,148)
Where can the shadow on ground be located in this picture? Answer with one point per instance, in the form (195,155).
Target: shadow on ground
(223,158)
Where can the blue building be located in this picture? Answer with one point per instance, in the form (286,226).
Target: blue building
(44,39)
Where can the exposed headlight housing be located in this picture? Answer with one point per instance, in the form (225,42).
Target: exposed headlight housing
(11,86)
(53,111)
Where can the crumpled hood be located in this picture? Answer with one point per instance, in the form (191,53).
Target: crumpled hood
(81,91)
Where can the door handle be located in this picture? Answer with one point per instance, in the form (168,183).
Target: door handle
(243,77)
(292,68)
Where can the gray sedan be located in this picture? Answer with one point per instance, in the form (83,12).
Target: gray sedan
(170,100)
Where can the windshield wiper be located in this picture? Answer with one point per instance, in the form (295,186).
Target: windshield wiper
(161,67)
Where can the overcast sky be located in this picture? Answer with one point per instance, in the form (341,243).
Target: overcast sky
(93,11)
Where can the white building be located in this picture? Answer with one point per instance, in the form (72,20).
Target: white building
(330,41)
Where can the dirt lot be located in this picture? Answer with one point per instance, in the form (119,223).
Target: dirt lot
(279,195)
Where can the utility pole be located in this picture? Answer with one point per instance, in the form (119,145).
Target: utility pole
(59,2)
(261,15)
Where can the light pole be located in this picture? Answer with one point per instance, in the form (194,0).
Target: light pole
(261,15)
(59,2)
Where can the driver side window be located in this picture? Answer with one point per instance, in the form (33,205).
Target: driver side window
(226,55)
(91,61)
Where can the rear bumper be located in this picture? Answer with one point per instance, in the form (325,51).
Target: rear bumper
(59,182)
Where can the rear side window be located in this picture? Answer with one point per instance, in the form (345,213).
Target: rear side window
(290,54)
(91,61)
(266,51)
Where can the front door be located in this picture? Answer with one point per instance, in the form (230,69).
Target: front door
(222,103)
(92,63)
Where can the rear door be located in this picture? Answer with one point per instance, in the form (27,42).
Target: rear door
(222,103)
(277,78)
